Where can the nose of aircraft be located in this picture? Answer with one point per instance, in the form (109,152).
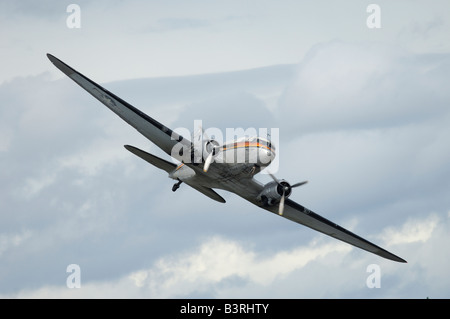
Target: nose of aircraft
(266,157)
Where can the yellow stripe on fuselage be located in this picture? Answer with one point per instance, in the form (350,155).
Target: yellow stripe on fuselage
(245,144)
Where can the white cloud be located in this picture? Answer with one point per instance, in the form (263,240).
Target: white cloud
(218,260)
(201,271)
(204,37)
(415,230)
(224,268)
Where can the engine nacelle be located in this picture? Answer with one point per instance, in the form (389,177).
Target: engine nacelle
(273,191)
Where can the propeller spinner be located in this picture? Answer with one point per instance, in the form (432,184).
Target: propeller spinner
(285,190)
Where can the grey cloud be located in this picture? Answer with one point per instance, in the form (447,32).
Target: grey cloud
(232,99)
(370,132)
(39,9)
(342,86)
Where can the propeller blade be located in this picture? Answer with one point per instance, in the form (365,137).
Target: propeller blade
(299,184)
(274,178)
(208,162)
(281,207)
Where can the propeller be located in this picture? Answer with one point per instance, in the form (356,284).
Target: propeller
(285,189)
(210,143)
(208,162)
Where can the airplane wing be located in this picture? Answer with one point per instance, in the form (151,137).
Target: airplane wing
(302,215)
(299,214)
(159,134)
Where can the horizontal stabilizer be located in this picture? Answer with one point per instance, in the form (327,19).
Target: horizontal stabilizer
(152,159)
(208,192)
(169,168)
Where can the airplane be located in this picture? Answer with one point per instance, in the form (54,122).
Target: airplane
(206,165)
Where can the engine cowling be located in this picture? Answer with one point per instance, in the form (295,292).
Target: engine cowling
(273,191)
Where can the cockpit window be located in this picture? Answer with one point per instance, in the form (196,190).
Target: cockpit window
(265,142)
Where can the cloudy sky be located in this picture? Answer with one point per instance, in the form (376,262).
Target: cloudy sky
(363,114)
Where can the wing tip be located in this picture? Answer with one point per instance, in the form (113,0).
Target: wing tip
(400,260)
(52,58)
(61,65)
(388,255)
